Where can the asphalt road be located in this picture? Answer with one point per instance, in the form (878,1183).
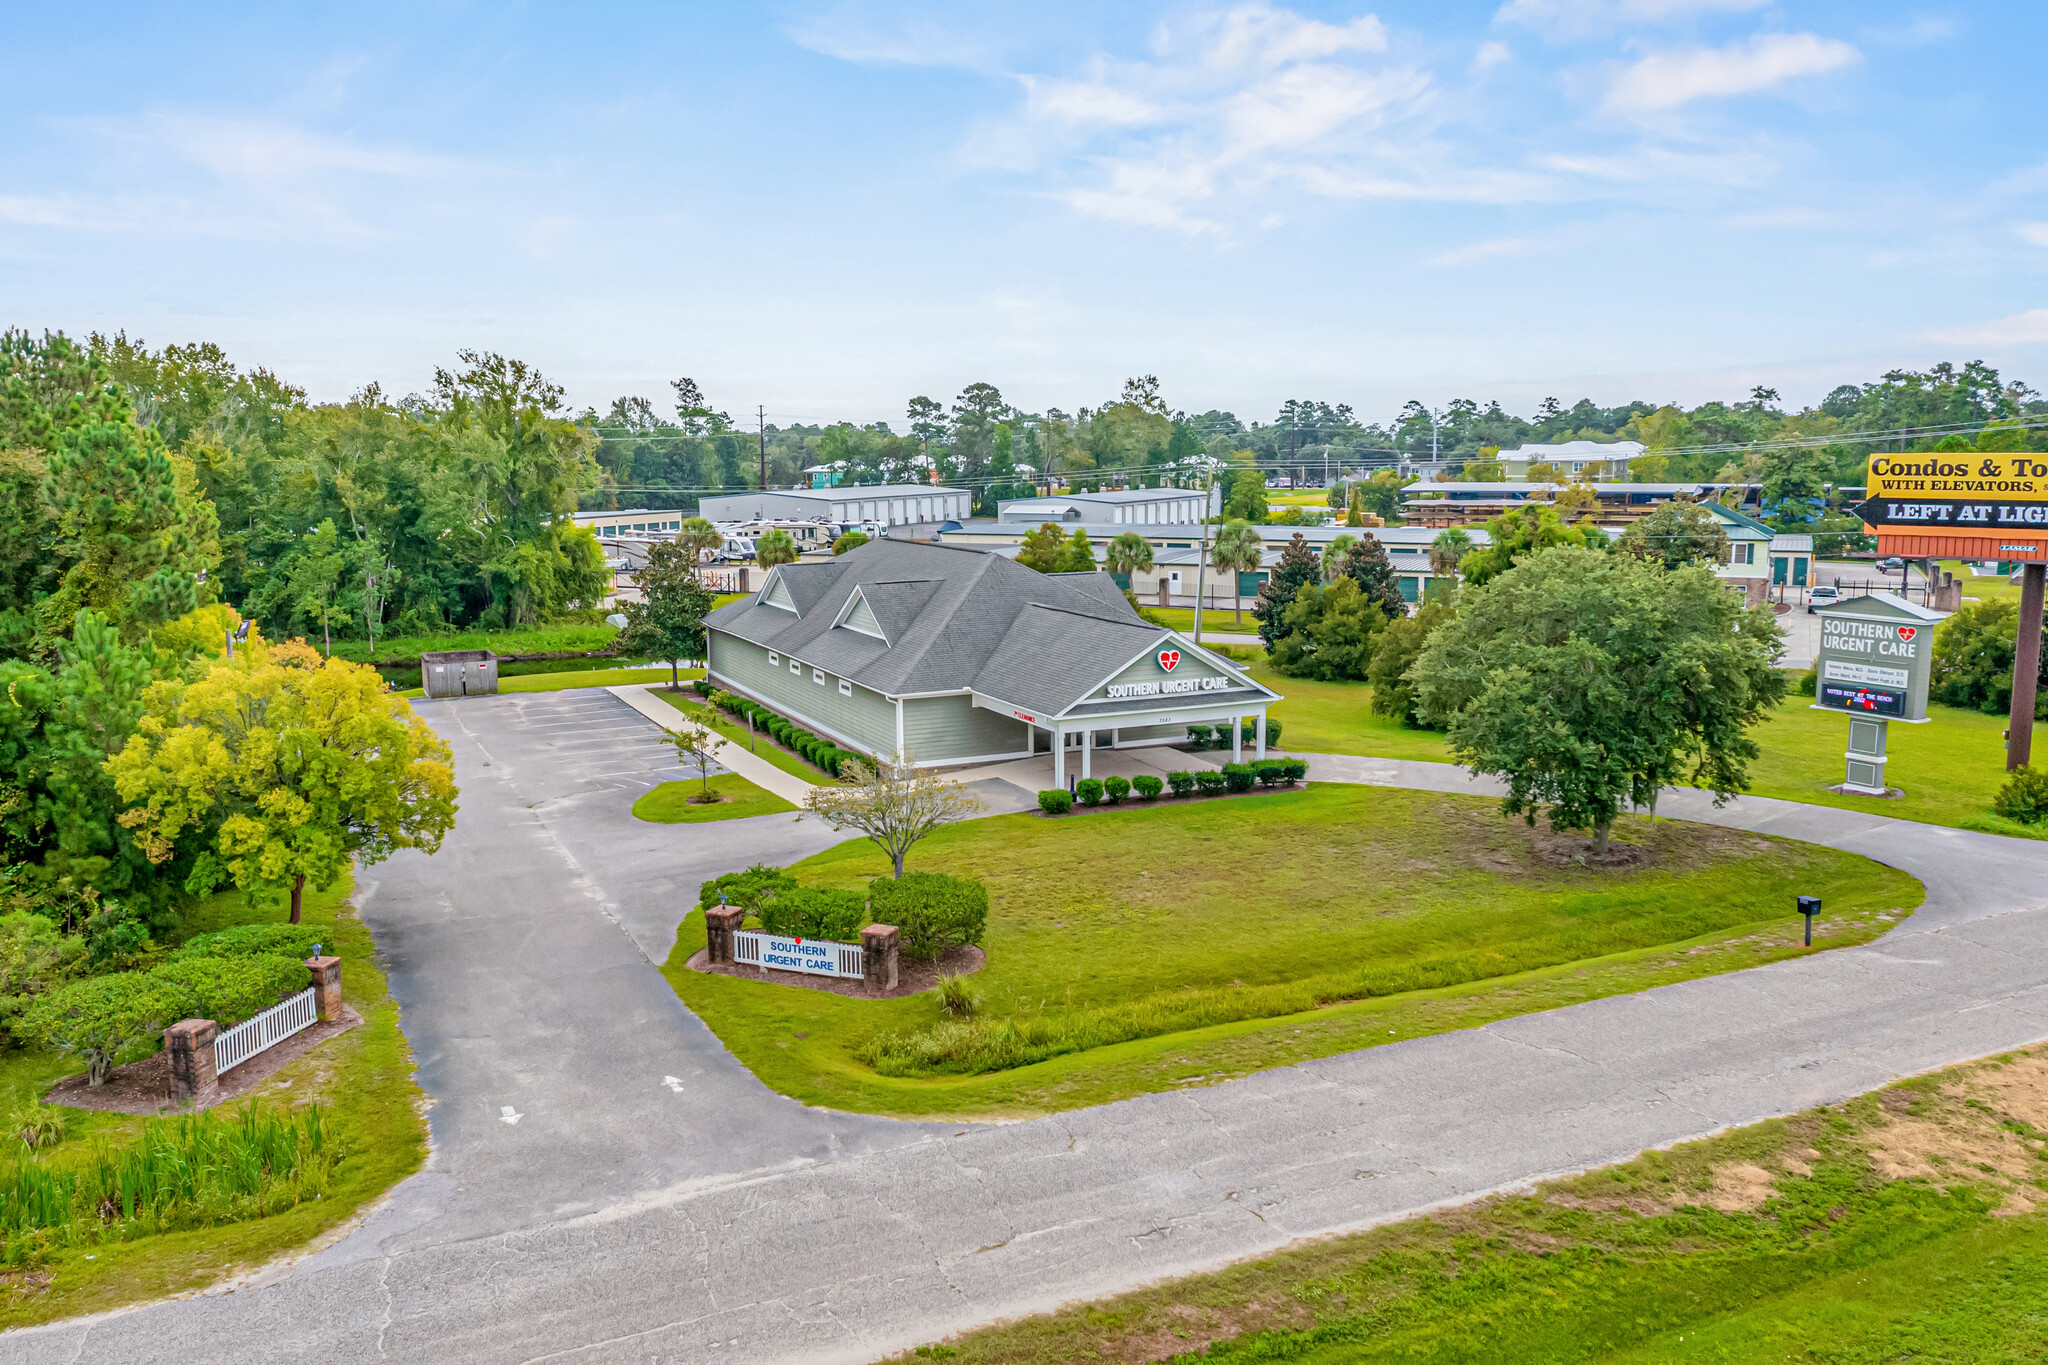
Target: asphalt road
(608,1185)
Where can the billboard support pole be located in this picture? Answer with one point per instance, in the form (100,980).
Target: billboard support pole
(2026,669)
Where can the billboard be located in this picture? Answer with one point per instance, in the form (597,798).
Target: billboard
(1874,657)
(1960,491)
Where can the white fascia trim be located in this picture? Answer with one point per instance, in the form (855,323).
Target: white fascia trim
(914,696)
(1171,716)
(1220,664)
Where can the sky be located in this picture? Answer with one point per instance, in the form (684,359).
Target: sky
(822,209)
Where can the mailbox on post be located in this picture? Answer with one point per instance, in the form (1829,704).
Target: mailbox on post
(1809,906)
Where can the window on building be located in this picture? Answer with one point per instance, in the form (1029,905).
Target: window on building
(775,661)
(796,668)
(818,676)
(845,688)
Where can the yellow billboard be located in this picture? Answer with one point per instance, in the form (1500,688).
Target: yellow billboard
(1959,475)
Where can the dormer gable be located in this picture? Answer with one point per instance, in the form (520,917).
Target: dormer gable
(859,617)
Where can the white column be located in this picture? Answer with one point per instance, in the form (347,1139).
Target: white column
(1260,753)
(1237,739)
(1031,739)
(1059,757)
(1087,749)
(1115,737)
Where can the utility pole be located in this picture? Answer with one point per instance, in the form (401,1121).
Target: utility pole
(761,423)
(1202,564)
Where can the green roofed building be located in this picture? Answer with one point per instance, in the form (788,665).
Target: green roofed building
(948,656)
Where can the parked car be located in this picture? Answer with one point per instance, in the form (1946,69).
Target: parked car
(1825,596)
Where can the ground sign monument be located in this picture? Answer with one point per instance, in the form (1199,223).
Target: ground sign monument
(1972,505)
(1874,655)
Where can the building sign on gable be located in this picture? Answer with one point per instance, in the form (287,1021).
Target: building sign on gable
(1167,687)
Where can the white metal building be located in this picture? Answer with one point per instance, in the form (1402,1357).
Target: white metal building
(1122,507)
(893,504)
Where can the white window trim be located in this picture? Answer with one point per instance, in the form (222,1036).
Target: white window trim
(774,659)
(796,667)
(818,676)
(845,688)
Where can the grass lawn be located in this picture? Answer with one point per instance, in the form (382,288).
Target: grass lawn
(669,803)
(1215,620)
(1905,1225)
(1117,945)
(761,743)
(537,640)
(363,1079)
(558,682)
(1949,768)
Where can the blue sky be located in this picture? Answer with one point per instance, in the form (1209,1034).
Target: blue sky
(827,208)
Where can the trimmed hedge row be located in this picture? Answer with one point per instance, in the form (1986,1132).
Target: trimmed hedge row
(931,911)
(1234,777)
(819,753)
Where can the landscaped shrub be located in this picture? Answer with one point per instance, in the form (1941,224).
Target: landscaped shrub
(228,990)
(1116,788)
(1182,783)
(2024,797)
(702,687)
(1089,790)
(1198,736)
(1147,787)
(955,999)
(1809,682)
(814,912)
(748,890)
(1297,769)
(248,940)
(1270,771)
(1210,781)
(1272,732)
(931,911)
(1238,777)
(1057,801)
(103,1016)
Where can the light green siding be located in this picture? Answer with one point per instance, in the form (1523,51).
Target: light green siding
(940,729)
(1147,669)
(864,721)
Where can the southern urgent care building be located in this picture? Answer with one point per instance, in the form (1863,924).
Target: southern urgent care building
(948,656)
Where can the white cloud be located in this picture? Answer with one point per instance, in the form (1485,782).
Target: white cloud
(1491,54)
(1230,103)
(2034,233)
(1790,217)
(255,150)
(1666,80)
(1485,251)
(848,34)
(1566,19)
(2021,329)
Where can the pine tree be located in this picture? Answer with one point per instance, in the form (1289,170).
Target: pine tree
(1298,568)
(1374,572)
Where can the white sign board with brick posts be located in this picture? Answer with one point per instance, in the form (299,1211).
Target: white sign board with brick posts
(815,956)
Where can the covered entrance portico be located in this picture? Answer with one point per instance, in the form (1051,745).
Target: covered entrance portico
(1074,740)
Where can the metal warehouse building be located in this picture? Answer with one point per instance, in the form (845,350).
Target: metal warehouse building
(949,655)
(892,504)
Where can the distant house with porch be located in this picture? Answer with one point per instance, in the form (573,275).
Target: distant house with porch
(951,656)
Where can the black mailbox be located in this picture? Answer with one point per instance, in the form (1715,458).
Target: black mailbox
(1809,906)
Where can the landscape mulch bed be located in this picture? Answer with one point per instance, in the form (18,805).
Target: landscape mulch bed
(1136,802)
(144,1087)
(911,977)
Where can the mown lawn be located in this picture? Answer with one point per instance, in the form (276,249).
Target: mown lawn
(670,804)
(363,1079)
(1146,949)
(1949,768)
(1905,1225)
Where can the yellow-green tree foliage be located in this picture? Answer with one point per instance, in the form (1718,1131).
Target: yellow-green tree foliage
(281,774)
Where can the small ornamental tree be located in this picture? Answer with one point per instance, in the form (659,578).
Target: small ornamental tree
(1368,566)
(697,536)
(1077,555)
(280,775)
(892,802)
(776,547)
(849,540)
(697,744)
(1677,533)
(101,1017)
(1588,682)
(1297,569)
(669,622)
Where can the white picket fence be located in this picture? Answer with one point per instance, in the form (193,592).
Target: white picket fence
(814,956)
(265,1031)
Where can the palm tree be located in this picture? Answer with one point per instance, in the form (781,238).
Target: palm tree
(1128,553)
(697,536)
(1446,550)
(1238,549)
(1337,559)
(776,547)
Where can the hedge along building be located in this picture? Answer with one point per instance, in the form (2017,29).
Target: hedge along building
(949,656)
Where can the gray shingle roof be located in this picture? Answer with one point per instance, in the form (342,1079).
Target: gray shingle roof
(956,618)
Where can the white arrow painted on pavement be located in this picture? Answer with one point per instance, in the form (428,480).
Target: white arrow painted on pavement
(507,1114)
(673,1083)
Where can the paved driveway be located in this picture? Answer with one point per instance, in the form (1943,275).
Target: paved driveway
(652,1202)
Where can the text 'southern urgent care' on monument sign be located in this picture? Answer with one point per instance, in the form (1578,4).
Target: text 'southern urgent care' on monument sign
(1872,666)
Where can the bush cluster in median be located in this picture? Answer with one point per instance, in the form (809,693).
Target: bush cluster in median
(932,912)
(820,753)
(1218,736)
(1235,777)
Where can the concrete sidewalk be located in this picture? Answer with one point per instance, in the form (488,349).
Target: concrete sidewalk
(733,756)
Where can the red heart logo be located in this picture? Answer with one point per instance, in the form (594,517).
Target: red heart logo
(1907,632)
(1168,658)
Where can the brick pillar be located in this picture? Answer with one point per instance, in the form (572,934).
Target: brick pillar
(879,956)
(326,985)
(190,1045)
(720,924)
